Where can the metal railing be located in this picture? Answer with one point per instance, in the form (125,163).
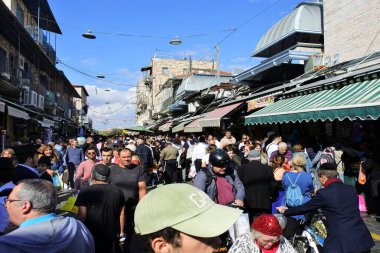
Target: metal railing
(41,39)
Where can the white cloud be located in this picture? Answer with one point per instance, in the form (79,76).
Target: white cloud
(111,109)
(90,61)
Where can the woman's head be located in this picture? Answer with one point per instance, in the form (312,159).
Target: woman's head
(231,150)
(278,161)
(135,160)
(299,162)
(47,150)
(8,153)
(266,231)
(297,148)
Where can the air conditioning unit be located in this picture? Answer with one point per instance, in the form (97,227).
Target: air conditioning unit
(30,98)
(25,82)
(41,102)
(5,75)
(21,62)
(54,111)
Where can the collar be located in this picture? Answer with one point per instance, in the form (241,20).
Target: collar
(38,219)
(332,180)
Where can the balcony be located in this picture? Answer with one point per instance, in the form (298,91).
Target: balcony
(42,41)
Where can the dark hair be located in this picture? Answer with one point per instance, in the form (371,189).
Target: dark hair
(170,235)
(328,170)
(230,148)
(106,149)
(6,169)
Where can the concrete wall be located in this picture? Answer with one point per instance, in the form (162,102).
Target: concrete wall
(351,29)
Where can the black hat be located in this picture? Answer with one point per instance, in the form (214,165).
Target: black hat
(29,149)
(102,169)
(327,166)
(219,158)
(45,160)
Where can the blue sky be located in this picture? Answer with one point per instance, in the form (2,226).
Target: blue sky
(121,57)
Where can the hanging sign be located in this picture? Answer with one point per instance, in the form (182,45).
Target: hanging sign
(259,103)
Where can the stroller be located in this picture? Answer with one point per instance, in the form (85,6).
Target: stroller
(311,238)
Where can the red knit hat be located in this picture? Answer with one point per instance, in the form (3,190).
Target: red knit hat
(267,224)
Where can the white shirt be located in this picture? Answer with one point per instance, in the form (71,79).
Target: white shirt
(271,148)
(206,158)
(199,151)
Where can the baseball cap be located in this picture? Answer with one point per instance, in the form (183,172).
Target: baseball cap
(131,147)
(184,208)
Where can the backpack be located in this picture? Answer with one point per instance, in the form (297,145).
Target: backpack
(293,195)
(327,156)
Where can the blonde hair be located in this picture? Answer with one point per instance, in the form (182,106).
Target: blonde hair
(41,150)
(10,151)
(299,161)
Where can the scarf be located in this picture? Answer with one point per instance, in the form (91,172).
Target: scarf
(332,180)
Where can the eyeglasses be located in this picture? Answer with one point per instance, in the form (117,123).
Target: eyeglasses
(6,200)
(270,240)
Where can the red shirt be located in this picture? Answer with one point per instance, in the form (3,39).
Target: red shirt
(224,193)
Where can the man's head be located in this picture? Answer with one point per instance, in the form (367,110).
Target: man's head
(171,217)
(244,137)
(327,171)
(277,139)
(44,163)
(106,155)
(219,161)
(125,157)
(29,199)
(74,143)
(228,134)
(91,152)
(100,173)
(139,141)
(27,154)
(210,139)
(282,147)
(89,140)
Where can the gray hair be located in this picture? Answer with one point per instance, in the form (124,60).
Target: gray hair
(283,144)
(41,193)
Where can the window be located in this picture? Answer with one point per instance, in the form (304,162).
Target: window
(3,60)
(165,71)
(20,14)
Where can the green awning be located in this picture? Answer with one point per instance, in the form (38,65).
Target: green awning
(357,100)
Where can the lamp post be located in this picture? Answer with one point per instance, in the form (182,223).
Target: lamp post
(89,35)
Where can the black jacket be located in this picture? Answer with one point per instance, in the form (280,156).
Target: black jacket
(258,181)
(346,230)
(145,155)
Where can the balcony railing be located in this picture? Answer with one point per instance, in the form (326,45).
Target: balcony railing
(41,39)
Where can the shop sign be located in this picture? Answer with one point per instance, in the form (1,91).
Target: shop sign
(260,103)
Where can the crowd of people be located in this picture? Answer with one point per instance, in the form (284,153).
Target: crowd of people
(112,176)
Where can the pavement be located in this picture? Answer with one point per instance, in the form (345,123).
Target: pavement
(374,229)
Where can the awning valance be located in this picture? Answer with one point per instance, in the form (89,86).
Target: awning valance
(44,124)
(213,118)
(17,113)
(357,100)
(2,107)
(193,127)
(180,126)
(165,127)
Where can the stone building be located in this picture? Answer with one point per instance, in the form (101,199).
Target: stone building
(351,29)
(160,70)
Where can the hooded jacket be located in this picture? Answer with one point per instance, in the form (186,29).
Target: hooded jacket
(61,234)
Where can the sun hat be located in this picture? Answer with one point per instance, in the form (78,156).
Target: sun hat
(267,224)
(131,147)
(184,208)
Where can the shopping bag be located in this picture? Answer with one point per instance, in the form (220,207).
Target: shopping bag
(241,226)
(57,181)
(69,205)
(65,177)
(362,204)
(192,171)
(362,179)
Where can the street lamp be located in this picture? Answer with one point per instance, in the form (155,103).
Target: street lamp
(100,75)
(89,35)
(175,41)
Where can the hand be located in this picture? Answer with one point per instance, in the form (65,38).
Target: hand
(281,209)
(239,202)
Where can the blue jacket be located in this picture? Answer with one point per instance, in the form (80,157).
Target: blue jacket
(346,230)
(200,183)
(74,156)
(145,155)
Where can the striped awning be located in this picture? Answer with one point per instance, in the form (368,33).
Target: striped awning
(213,118)
(17,113)
(357,100)
(193,127)
(165,127)
(180,126)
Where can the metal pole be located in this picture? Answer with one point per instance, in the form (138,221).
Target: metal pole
(38,22)
(217,55)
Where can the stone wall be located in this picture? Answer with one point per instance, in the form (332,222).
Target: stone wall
(351,29)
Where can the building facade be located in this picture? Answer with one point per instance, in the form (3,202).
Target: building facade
(160,70)
(36,97)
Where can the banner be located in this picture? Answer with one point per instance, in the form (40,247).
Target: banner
(259,103)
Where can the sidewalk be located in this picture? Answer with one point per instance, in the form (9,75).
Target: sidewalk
(374,228)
